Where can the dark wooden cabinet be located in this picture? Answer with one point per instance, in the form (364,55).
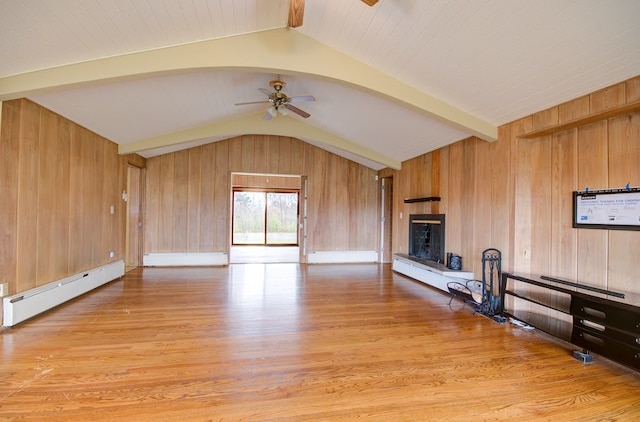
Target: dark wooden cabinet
(600,321)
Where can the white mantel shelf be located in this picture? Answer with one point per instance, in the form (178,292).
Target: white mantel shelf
(429,272)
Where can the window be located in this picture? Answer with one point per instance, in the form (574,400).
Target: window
(265,217)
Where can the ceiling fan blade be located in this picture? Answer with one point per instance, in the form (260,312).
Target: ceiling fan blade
(296,13)
(252,102)
(370,2)
(265,91)
(302,99)
(296,110)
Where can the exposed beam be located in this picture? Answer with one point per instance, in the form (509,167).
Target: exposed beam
(274,51)
(296,13)
(254,124)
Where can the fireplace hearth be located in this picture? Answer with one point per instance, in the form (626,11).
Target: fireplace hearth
(426,237)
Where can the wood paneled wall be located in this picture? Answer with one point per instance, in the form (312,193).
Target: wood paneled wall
(188,194)
(58,183)
(515,194)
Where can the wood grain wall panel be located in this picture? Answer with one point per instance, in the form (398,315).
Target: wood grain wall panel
(592,173)
(546,118)
(59,176)
(260,154)
(564,176)
(62,176)
(470,208)
(98,212)
(284,158)
(151,217)
(454,216)
(482,208)
(298,164)
(574,109)
(193,199)
(9,152)
(342,206)
(28,175)
(624,157)
(501,193)
(180,201)
(521,252)
(608,98)
(165,204)
(47,188)
(206,197)
(632,88)
(541,203)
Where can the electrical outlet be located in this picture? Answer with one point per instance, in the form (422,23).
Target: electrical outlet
(4,289)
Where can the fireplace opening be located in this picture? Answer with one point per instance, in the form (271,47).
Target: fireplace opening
(426,237)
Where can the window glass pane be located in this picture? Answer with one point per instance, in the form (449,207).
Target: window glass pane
(248,218)
(282,218)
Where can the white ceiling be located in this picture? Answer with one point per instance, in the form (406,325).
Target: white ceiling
(496,60)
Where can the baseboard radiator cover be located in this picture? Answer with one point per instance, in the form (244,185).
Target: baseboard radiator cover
(185,259)
(24,305)
(341,257)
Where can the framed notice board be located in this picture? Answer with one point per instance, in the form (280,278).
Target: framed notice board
(607,209)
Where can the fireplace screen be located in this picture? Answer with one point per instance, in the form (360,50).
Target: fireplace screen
(426,237)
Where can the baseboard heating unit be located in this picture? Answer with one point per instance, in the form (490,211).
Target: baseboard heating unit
(27,304)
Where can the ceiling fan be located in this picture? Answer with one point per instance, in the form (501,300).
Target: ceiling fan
(280,102)
(296,12)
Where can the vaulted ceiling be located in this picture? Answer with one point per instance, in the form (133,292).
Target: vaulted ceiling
(391,81)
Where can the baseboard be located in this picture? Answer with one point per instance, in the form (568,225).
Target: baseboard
(24,305)
(341,257)
(194,259)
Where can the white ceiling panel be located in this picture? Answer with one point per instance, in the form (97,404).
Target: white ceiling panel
(498,60)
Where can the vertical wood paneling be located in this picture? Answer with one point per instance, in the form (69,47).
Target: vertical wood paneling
(521,245)
(58,181)
(592,173)
(608,98)
(207,195)
(481,222)
(62,222)
(28,173)
(47,192)
(454,216)
(342,205)
(541,203)
(180,201)
(98,212)
(564,176)
(574,109)
(624,159)
(165,204)
(152,206)
(501,193)
(222,200)
(194,199)
(9,150)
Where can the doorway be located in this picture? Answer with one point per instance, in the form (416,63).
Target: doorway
(386,211)
(265,218)
(133,244)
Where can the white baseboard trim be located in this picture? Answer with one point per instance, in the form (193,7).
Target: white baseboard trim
(27,304)
(185,259)
(341,257)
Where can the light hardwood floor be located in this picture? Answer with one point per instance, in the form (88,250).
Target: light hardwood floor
(288,342)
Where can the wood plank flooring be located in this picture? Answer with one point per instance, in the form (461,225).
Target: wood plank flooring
(288,342)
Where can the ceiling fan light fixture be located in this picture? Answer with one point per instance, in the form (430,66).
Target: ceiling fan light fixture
(283,111)
(273,111)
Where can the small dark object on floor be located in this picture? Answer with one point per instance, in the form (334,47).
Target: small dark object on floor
(583,357)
